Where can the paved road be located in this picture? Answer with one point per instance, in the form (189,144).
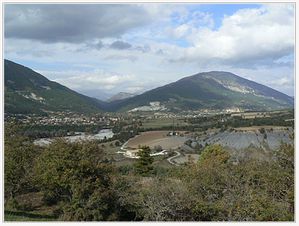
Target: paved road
(173,157)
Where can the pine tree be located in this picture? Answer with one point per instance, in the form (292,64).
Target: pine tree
(144,166)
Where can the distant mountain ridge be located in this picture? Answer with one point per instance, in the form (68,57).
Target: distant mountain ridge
(96,93)
(120,96)
(210,90)
(27,91)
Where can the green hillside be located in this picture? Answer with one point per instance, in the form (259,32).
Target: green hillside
(210,90)
(27,91)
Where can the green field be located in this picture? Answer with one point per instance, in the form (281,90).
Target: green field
(163,122)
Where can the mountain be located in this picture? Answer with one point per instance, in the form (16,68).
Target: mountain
(207,90)
(120,96)
(27,91)
(96,93)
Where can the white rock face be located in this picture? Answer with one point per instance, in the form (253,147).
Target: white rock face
(33,96)
(239,88)
(232,110)
(235,87)
(154,106)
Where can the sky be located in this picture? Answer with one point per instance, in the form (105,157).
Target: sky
(103,49)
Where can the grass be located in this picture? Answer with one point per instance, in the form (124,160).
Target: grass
(29,207)
(26,216)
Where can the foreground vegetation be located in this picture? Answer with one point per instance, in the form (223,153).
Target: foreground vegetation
(76,182)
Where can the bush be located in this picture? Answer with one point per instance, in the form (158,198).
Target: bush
(117,143)
(158,148)
(262,130)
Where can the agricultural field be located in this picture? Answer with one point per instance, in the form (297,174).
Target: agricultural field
(156,138)
(163,122)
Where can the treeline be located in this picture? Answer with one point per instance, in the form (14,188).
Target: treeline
(271,121)
(78,183)
(225,121)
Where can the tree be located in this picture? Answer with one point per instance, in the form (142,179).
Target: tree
(285,157)
(158,148)
(154,199)
(117,143)
(265,136)
(262,130)
(76,175)
(19,155)
(188,142)
(166,200)
(251,191)
(143,165)
(198,148)
(214,153)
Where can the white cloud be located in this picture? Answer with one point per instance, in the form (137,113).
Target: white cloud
(285,81)
(181,30)
(250,36)
(97,79)
(52,23)
(280,78)
(189,23)
(256,43)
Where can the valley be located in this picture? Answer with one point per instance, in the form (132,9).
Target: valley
(186,133)
(149,112)
(28,92)
(64,149)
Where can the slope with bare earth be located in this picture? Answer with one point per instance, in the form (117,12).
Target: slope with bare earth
(241,138)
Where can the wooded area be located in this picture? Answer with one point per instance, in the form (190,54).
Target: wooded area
(75,182)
